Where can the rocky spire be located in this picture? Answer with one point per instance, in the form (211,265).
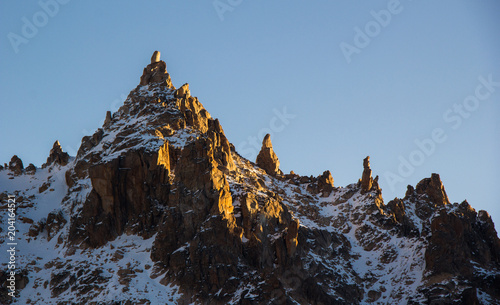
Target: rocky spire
(434,189)
(108,118)
(156,72)
(325,182)
(156,57)
(16,165)
(183,91)
(57,156)
(366,178)
(267,159)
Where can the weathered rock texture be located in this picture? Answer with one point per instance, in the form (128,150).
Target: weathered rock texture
(159,194)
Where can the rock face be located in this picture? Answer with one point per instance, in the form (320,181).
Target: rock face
(434,189)
(267,159)
(158,207)
(57,156)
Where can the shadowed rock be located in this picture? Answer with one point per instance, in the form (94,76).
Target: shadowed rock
(108,118)
(16,165)
(30,169)
(434,189)
(57,156)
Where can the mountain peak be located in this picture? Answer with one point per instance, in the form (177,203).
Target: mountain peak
(172,212)
(156,72)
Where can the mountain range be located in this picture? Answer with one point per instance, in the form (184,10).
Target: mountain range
(158,207)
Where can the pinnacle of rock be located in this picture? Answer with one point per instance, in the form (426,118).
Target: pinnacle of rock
(366,178)
(325,182)
(433,187)
(108,118)
(267,159)
(156,72)
(57,156)
(156,57)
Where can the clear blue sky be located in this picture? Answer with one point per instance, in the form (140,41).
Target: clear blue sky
(417,71)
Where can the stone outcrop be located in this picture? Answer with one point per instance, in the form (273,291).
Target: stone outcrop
(462,242)
(108,118)
(30,169)
(183,91)
(325,183)
(16,165)
(366,178)
(57,156)
(267,159)
(156,57)
(434,190)
(156,72)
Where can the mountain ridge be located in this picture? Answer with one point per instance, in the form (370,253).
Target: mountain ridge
(177,216)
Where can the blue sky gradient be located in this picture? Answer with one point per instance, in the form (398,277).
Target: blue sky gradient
(249,60)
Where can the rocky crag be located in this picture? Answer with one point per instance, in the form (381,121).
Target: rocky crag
(157,207)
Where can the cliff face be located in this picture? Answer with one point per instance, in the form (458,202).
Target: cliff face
(158,207)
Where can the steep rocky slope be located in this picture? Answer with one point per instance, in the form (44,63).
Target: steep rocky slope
(158,207)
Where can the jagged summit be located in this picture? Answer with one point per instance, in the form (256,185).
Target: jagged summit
(158,207)
(57,156)
(434,189)
(156,72)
